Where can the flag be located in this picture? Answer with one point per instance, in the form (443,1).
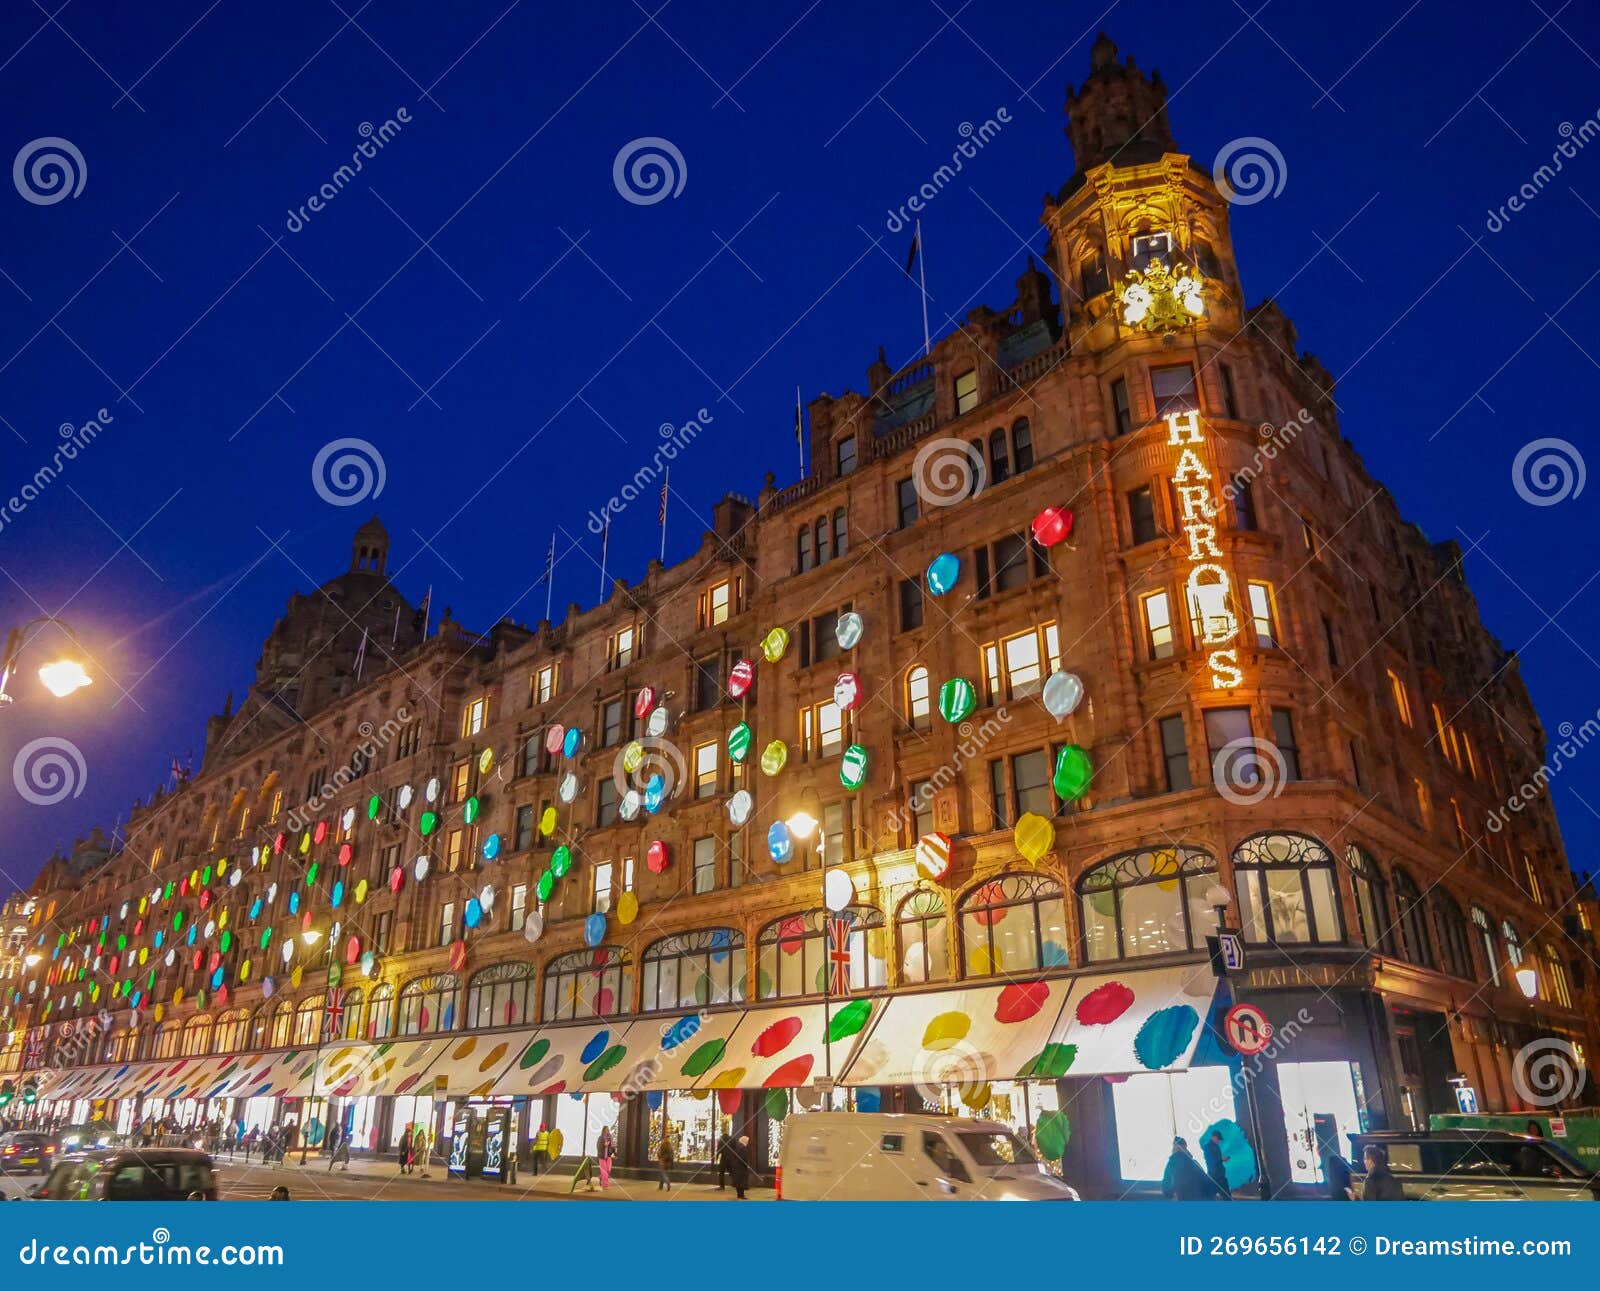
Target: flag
(916,245)
(605,547)
(419,620)
(666,475)
(34,1057)
(550,577)
(839,927)
(333,1023)
(799,420)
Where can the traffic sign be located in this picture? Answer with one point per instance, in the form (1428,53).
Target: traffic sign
(1247,1029)
(1232,951)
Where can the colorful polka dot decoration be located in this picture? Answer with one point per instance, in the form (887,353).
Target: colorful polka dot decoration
(1165,1036)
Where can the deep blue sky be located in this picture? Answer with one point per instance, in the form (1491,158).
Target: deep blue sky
(225,365)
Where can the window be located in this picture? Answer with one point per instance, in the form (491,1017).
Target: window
(1513,945)
(1030,785)
(587,984)
(844,455)
(907,502)
(501,995)
(718,603)
(705,770)
(919,700)
(1372,900)
(804,557)
(1262,615)
(1146,246)
(447,923)
(1556,971)
(1145,903)
(461,781)
(1486,938)
(1535,888)
(605,802)
(1244,505)
(1330,641)
(822,730)
(924,939)
(792,953)
(1287,890)
(427,1004)
(1121,409)
(1016,923)
(910,604)
(841,532)
(525,823)
(519,906)
(1227,727)
(819,638)
(1016,667)
(1283,737)
(1411,921)
(622,647)
(474,715)
(835,834)
(380,1013)
(1022,445)
(707,683)
(694,970)
(1157,614)
(999,456)
(1092,276)
(966,392)
(1175,753)
(1455,942)
(1173,388)
(600,901)
(921,803)
(705,864)
(544,683)
(1308,535)
(1142,515)
(1230,395)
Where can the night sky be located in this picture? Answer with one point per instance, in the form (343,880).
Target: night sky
(515,369)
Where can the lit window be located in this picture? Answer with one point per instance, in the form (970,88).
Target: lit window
(705,770)
(277,805)
(244,821)
(1210,615)
(474,715)
(602,888)
(447,923)
(1534,889)
(918,699)
(705,864)
(1158,624)
(1262,616)
(966,392)
(1424,807)
(544,683)
(822,729)
(718,604)
(1022,664)
(1402,700)
(460,781)
(622,647)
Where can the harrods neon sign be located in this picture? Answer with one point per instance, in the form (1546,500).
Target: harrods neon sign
(1208,589)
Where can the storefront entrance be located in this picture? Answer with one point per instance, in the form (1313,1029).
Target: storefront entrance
(1152,1110)
(1321,1102)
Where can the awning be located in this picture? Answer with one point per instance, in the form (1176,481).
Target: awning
(557,1060)
(784,1047)
(469,1065)
(658,1047)
(1111,1023)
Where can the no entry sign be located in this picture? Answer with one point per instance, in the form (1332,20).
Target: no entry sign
(1247,1029)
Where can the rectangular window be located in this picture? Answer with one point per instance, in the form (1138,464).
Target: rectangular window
(735,858)
(610,723)
(1230,395)
(1024,671)
(524,835)
(601,903)
(461,782)
(1173,388)
(705,770)
(1142,515)
(835,824)
(382,925)
(1331,641)
(907,502)
(1121,409)
(1225,726)
(1424,807)
(845,455)
(447,923)
(910,604)
(622,648)
(1244,505)
(999,817)
(1402,699)
(1175,753)
(277,806)
(966,392)
(605,808)
(1030,784)
(922,808)
(919,699)
(1283,737)
(544,683)
(474,715)
(707,683)
(1356,772)
(519,906)
(1262,615)
(705,864)
(1158,624)
(718,604)
(822,730)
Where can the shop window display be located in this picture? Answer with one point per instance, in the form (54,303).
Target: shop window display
(1015,923)
(1152,1109)
(1149,902)
(792,954)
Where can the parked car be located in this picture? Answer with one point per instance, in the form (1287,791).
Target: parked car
(26,1152)
(88,1138)
(130,1174)
(1479,1165)
(889,1156)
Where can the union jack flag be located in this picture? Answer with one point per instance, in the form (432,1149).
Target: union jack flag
(839,927)
(33,1056)
(333,1022)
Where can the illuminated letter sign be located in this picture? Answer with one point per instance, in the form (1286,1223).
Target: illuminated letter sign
(1208,589)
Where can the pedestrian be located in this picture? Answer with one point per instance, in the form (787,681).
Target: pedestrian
(738,1151)
(1184,1180)
(664,1159)
(541,1147)
(424,1146)
(1216,1163)
(408,1152)
(332,1147)
(1336,1174)
(605,1151)
(269,1144)
(341,1154)
(251,1135)
(1381,1185)
(289,1140)
(280,1193)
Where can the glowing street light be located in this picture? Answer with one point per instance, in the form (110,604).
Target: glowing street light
(802,824)
(63,676)
(1528,982)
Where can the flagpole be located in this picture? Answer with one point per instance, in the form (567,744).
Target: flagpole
(427,612)
(550,577)
(666,493)
(605,545)
(922,274)
(799,432)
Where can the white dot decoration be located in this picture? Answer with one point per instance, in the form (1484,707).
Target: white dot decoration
(405,796)
(420,869)
(569,787)
(348,820)
(486,898)
(656,724)
(431,793)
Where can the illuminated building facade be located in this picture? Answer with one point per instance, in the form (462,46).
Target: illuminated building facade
(400,890)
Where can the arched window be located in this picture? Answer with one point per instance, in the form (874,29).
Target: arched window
(168,1040)
(924,937)
(1455,942)
(501,995)
(1287,890)
(1560,991)
(1150,902)
(197,1036)
(280,1026)
(595,983)
(232,1032)
(1092,276)
(380,1012)
(821,532)
(1487,939)
(1411,921)
(308,1020)
(1016,923)
(792,953)
(354,1023)
(124,1045)
(999,457)
(1022,445)
(919,697)
(841,532)
(1513,945)
(1372,901)
(694,969)
(980,469)
(803,548)
(428,1004)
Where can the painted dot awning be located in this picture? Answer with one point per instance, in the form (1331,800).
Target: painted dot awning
(787,1046)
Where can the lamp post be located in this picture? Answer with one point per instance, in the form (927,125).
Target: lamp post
(60,676)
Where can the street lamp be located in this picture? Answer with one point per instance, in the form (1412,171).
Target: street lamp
(63,676)
(60,676)
(1528,982)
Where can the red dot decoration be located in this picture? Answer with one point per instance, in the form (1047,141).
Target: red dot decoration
(1104,1004)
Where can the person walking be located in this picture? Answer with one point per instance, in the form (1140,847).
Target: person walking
(424,1146)
(408,1151)
(280,1193)
(605,1151)
(250,1137)
(1216,1162)
(664,1159)
(332,1146)
(541,1148)
(1381,1185)
(1184,1180)
(739,1164)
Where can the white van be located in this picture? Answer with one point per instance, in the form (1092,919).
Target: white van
(887,1156)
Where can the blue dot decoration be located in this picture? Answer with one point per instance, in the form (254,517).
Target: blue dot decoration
(655,791)
(571,742)
(594,929)
(595,1047)
(780,842)
(472,916)
(1165,1036)
(943,571)
(681,1031)
(491,847)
